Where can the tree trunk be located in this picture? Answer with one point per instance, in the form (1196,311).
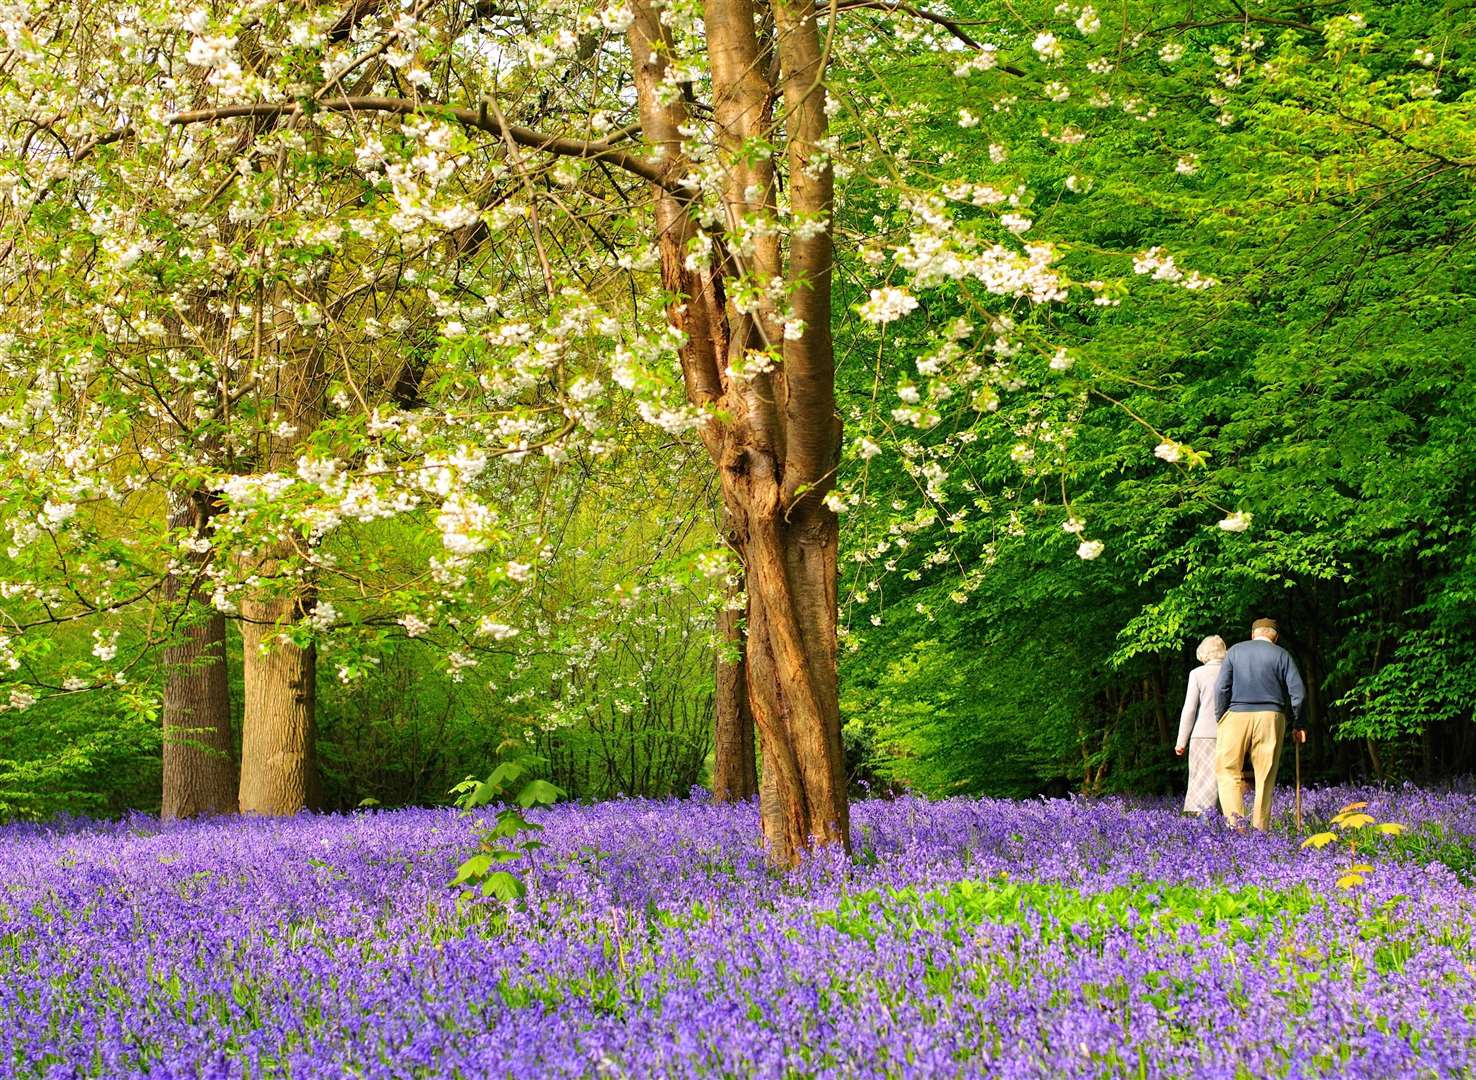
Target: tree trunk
(792,685)
(199,772)
(278,739)
(775,440)
(734,756)
(279,726)
(734,761)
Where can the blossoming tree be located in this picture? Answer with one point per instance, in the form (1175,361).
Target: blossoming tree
(293,269)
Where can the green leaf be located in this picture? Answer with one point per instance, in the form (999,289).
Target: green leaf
(538,793)
(472,869)
(504,886)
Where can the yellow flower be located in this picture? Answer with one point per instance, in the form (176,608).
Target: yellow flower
(1350,881)
(1353,821)
(1318,840)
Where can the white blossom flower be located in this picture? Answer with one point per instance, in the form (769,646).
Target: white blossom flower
(1073,525)
(490,628)
(323,615)
(887,305)
(983,60)
(1168,450)
(1062,360)
(967,118)
(55,513)
(1047,47)
(1171,52)
(617,17)
(1089,549)
(1187,165)
(867,449)
(1236,522)
(464,524)
(211,52)
(414,625)
(1088,22)
(540,55)
(457,664)
(105,649)
(1155,262)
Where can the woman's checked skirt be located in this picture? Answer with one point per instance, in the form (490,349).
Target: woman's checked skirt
(1203,793)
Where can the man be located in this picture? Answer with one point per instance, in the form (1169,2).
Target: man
(1259,684)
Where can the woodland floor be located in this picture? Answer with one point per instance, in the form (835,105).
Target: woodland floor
(967,937)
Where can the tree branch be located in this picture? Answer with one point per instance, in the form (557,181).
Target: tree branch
(953,26)
(478,119)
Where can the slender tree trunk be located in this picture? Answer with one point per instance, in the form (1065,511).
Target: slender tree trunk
(793,690)
(199,771)
(735,764)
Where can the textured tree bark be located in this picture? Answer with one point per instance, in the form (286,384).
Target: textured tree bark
(776,440)
(279,772)
(279,726)
(802,793)
(199,768)
(735,764)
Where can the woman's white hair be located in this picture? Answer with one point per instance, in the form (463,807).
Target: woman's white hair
(1211,650)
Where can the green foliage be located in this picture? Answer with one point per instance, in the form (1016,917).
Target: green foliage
(1430,843)
(1325,387)
(82,752)
(1076,919)
(83,755)
(404,731)
(511,839)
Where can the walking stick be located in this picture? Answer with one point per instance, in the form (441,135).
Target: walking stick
(1298,755)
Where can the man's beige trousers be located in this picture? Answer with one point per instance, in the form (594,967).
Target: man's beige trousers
(1259,734)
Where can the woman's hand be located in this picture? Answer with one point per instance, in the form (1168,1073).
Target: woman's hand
(1179,750)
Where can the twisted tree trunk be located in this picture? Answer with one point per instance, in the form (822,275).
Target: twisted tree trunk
(776,439)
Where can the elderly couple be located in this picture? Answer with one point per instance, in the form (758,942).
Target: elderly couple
(1238,704)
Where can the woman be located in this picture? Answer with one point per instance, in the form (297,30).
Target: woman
(1197,726)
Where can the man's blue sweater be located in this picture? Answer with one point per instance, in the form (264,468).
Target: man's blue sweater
(1260,676)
